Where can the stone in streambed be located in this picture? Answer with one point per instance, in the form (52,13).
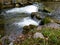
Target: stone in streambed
(35,14)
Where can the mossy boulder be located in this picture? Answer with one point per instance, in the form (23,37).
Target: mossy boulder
(36,15)
(32,26)
(47,9)
(26,29)
(29,27)
(33,14)
(56,21)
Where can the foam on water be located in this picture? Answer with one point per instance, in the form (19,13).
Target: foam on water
(26,21)
(26,9)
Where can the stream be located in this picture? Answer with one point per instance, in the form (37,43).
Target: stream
(17,18)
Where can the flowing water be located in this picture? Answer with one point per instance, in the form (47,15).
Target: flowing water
(17,18)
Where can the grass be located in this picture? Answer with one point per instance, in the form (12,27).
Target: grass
(45,20)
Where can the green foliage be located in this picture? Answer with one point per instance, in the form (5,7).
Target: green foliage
(53,38)
(46,32)
(53,35)
(45,20)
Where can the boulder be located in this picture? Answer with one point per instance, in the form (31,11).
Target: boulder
(38,35)
(57,21)
(39,27)
(36,15)
(52,25)
(33,14)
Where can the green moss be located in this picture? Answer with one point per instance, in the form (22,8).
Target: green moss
(29,28)
(45,20)
(53,38)
(53,35)
(46,32)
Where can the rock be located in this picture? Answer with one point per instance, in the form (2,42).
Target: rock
(56,21)
(29,27)
(28,3)
(35,14)
(32,26)
(53,25)
(38,35)
(38,16)
(26,27)
(39,27)
(56,13)
(11,43)
(47,10)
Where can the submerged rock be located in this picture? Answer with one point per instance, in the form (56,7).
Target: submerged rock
(38,35)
